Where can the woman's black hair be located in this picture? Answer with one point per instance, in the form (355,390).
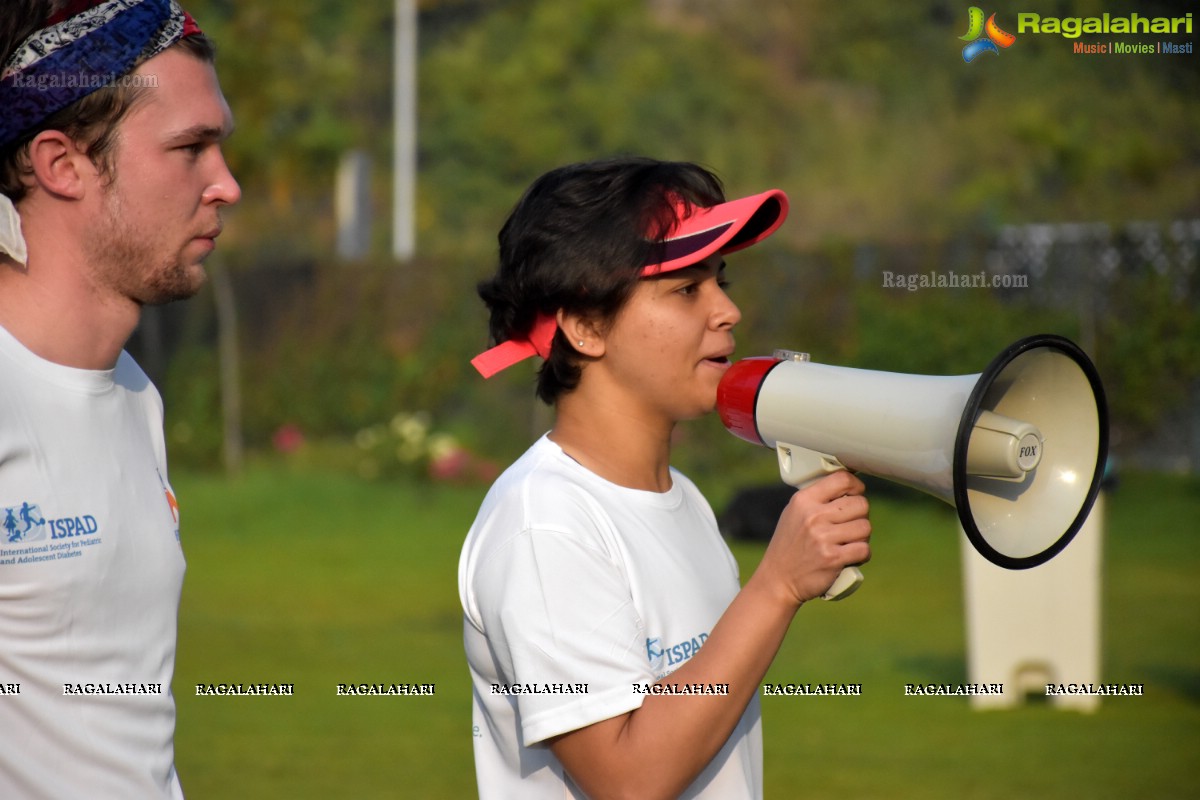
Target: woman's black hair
(577,240)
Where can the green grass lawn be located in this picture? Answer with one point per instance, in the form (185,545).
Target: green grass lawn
(320,579)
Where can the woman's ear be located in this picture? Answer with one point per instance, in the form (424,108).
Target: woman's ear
(582,332)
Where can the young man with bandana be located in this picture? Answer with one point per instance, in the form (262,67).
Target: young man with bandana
(111,185)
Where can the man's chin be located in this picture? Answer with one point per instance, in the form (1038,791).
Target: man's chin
(178,286)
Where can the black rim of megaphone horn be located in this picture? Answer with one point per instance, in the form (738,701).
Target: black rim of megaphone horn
(971,414)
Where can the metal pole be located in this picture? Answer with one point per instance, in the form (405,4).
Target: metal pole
(405,139)
(230,371)
(352,206)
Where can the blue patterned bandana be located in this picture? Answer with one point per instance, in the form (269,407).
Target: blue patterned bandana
(89,46)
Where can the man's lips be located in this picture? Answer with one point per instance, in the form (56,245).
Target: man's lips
(208,239)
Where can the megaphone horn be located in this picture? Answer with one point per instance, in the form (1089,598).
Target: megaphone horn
(1018,449)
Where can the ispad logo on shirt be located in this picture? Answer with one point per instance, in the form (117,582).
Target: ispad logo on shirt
(665,659)
(25,524)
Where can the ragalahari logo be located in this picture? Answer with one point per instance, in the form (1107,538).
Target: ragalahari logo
(984,37)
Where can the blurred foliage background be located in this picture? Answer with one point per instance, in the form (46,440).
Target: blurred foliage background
(1078,174)
(897,155)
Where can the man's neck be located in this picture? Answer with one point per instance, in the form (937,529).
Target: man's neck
(58,317)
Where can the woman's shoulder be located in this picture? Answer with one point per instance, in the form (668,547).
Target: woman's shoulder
(543,483)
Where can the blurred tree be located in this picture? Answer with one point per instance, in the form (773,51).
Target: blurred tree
(307,81)
(864,113)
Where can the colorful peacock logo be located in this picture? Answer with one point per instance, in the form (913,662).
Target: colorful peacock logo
(984,37)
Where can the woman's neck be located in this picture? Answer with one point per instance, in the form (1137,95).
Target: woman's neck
(622,447)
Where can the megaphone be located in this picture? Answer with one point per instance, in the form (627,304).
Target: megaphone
(1018,449)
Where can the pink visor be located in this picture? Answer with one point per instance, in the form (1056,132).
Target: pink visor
(723,228)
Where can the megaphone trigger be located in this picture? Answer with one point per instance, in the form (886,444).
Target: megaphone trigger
(799,466)
(846,584)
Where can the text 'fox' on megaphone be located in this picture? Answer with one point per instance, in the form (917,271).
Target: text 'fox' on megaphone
(1018,449)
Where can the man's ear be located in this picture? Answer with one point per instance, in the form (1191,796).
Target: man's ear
(59,166)
(584,333)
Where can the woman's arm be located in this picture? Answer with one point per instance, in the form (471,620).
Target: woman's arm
(658,749)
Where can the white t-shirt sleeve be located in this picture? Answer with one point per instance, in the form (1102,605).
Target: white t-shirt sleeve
(558,612)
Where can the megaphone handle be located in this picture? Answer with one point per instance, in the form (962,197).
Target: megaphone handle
(799,466)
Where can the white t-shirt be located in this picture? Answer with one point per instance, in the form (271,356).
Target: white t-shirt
(578,594)
(90,575)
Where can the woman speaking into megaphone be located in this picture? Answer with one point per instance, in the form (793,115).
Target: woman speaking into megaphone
(612,648)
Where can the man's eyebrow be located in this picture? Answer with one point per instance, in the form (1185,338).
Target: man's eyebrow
(200,133)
